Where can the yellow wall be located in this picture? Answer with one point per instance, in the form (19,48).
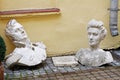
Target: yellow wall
(62,33)
(26,4)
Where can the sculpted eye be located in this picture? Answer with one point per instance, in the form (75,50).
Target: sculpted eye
(89,33)
(95,34)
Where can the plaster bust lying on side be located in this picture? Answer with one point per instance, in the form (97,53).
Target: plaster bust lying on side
(26,53)
(94,56)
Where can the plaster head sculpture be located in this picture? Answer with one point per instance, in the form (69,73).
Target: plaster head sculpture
(94,56)
(96,33)
(16,33)
(15,30)
(26,53)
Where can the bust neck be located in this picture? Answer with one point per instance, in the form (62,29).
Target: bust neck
(23,43)
(94,48)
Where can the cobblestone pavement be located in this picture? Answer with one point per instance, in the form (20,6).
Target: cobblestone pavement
(47,71)
(96,74)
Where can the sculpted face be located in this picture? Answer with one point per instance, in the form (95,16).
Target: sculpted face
(94,36)
(18,32)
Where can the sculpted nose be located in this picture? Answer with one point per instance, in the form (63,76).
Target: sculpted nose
(91,36)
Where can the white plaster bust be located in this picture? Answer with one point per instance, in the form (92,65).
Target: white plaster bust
(26,53)
(94,56)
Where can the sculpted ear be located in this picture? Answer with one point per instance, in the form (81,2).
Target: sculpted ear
(103,34)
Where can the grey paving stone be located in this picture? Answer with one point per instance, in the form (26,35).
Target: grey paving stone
(29,73)
(42,72)
(53,67)
(10,75)
(17,74)
(117,52)
(116,63)
(76,68)
(82,68)
(8,71)
(60,67)
(36,72)
(62,71)
(49,60)
(49,71)
(55,70)
(23,73)
(69,69)
(47,68)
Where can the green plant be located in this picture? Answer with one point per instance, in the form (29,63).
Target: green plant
(2,49)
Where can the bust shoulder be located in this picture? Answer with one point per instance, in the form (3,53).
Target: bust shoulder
(83,50)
